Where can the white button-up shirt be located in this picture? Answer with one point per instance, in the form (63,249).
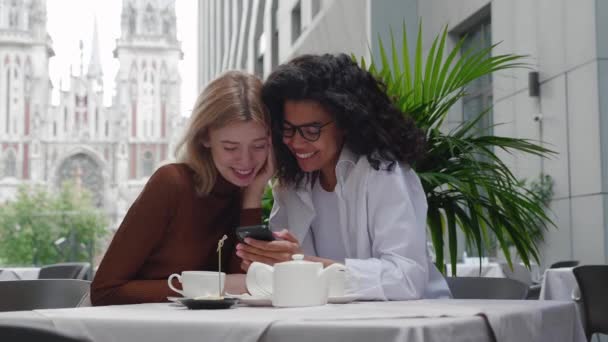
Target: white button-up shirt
(382,222)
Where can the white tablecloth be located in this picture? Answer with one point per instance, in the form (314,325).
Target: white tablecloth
(559,284)
(19,273)
(425,320)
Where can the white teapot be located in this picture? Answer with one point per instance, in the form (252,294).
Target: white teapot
(295,283)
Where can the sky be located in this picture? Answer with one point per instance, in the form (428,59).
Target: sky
(69,21)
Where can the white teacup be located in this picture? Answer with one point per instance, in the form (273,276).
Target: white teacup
(199,283)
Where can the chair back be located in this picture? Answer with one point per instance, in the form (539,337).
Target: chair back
(565,264)
(17,295)
(486,288)
(593,282)
(518,272)
(31,334)
(66,270)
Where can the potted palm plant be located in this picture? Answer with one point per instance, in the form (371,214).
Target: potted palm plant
(468,186)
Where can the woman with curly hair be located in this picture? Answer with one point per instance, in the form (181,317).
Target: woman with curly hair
(346,191)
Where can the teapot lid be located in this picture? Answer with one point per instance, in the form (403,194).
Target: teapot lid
(298,259)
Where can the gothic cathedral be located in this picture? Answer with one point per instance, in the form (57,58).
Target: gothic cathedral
(109,150)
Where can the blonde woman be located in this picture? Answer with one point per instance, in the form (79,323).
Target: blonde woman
(185,208)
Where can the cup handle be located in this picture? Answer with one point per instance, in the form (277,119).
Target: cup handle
(179,278)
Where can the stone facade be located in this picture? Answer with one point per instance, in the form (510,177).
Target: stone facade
(111,150)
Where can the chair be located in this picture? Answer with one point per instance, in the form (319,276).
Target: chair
(31,334)
(486,288)
(16,295)
(534,292)
(519,272)
(593,281)
(66,270)
(564,264)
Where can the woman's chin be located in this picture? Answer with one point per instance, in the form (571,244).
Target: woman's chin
(308,167)
(239,183)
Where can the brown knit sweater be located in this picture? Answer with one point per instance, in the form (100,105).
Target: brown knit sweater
(170,229)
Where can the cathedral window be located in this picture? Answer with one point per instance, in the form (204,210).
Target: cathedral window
(132,14)
(65,119)
(8,103)
(13,19)
(10,164)
(147,165)
(133,81)
(150,20)
(164,81)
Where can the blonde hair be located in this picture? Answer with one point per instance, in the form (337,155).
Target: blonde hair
(232,97)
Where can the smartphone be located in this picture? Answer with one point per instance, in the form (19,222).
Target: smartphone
(258,232)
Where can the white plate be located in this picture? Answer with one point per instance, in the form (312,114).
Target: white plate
(254,300)
(342,299)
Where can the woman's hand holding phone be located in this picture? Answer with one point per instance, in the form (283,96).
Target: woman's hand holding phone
(269,252)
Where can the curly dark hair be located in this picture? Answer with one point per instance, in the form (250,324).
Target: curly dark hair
(373,125)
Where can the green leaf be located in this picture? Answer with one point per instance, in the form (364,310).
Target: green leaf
(435,226)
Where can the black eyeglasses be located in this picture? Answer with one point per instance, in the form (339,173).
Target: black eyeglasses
(310,132)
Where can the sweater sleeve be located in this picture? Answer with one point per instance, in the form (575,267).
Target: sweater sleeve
(141,231)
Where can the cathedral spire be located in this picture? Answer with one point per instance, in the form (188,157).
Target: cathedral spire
(94,69)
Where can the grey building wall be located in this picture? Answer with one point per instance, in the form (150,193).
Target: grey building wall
(386,15)
(229,32)
(340,26)
(601,26)
(562,40)
(256,35)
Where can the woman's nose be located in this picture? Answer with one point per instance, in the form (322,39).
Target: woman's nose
(245,157)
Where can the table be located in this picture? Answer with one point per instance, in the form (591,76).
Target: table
(559,284)
(428,320)
(19,273)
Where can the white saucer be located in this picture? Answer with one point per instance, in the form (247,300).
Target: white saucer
(342,299)
(174,299)
(254,300)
